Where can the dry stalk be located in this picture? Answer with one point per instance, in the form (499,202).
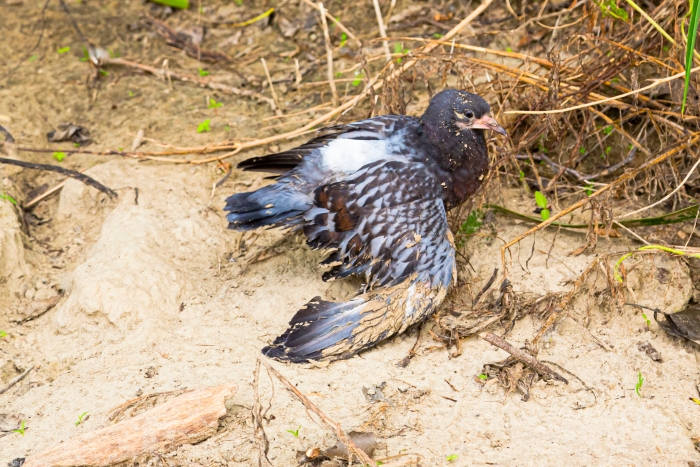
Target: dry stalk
(329,54)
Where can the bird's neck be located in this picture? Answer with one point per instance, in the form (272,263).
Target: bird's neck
(459,159)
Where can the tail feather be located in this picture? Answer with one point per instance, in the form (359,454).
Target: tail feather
(324,330)
(273,205)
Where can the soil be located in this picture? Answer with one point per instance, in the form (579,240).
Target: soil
(111,299)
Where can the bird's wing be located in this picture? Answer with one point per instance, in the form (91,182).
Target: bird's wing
(387,222)
(357,137)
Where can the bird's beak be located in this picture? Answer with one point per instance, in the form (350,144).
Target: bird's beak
(484,123)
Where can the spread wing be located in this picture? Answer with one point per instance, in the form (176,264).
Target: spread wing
(372,129)
(387,222)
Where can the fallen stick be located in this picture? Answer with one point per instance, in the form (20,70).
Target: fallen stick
(70,173)
(187,419)
(330,424)
(16,380)
(522,356)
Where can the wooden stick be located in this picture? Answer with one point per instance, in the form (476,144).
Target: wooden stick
(16,380)
(330,424)
(521,356)
(329,54)
(336,22)
(272,87)
(382,30)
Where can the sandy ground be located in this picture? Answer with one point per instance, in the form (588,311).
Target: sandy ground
(153,295)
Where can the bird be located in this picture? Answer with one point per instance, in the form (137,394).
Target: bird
(375,193)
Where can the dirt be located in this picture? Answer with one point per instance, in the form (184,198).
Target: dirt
(152,293)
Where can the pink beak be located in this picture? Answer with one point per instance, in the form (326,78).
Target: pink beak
(484,123)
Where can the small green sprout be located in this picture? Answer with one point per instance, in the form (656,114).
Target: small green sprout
(358,78)
(588,190)
(339,75)
(607,130)
(59,156)
(104,72)
(203,72)
(2,334)
(214,105)
(227,128)
(608,149)
(640,382)
(541,202)
(33,58)
(522,175)
(646,320)
(399,49)
(451,457)
(238,2)
(483,377)
(21,429)
(130,94)
(63,50)
(86,55)
(582,151)
(80,418)
(508,49)
(343,39)
(204,126)
(76,145)
(295,432)
(630,146)
(9,198)
(437,35)
(541,147)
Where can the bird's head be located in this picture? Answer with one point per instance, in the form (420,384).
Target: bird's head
(456,111)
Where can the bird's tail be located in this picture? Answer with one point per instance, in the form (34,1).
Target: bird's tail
(332,331)
(273,205)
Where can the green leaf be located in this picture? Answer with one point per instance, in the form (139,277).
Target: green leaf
(437,35)
(482,377)
(33,57)
(588,190)
(21,429)
(582,150)
(104,72)
(227,128)
(63,50)
(59,156)
(609,8)
(545,214)
(86,55)
(182,4)
(640,382)
(646,320)
(214,105)
(608,149)
(540,200)
(9,198)
(607,130)
(473,223)
(522,175)
(203,72)
(508,49)
(358,78)
(295,432)
(343,39)
(204,126)
(80,418)
(690,47)
(130,93)
(2,334)
(451,457)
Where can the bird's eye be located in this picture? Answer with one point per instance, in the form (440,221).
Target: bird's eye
(469,114)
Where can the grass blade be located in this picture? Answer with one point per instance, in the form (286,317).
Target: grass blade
(690,47)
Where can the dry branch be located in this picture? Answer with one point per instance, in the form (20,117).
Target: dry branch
(187,419)
(522,356)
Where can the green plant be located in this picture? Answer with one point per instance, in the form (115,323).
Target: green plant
(130,94)
(607,130)
(9,198)
(358,78)
(399,49)
(483,377)
(541,202)
(616,269)
(609,8)
(588,189)
(21,429)
(343,39)
(63,50)
(582,151)
(204,126)
(638,386)
(202,72)
(690,47)
(508,49)
(213,104)
(238,2)
(522,176)
(451,457)
(80,418)
(295,432)
(470,226)
(437,35)
(2,334)
(86,55)
(646,320)
(33,57)
(182,4)
(59,156)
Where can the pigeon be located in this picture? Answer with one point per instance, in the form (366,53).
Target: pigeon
(375,193)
